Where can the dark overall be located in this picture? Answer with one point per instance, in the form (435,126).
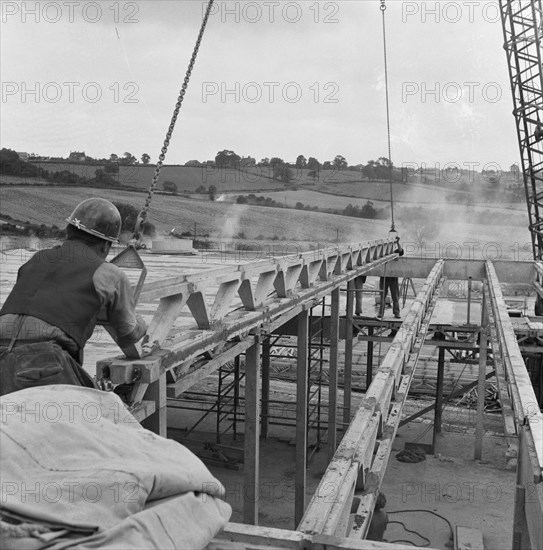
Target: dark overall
(55,286)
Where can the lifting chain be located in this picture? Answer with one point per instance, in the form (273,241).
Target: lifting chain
(383,9)
(142,216)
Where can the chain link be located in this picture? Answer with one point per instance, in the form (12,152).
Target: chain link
(142,216)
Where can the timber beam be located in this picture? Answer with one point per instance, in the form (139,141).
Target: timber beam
(353,466)
(528,509)
(271,294)
(236,536)
(508,271)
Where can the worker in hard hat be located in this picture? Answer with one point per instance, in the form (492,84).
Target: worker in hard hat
(52,310)
(386,283)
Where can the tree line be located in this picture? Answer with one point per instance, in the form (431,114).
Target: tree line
(380,169)
(367,211)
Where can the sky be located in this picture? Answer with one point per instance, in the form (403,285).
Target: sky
(272,78)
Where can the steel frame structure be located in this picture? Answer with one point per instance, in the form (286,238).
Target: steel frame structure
(522,22)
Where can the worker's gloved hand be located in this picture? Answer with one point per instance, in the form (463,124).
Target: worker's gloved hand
(141,326)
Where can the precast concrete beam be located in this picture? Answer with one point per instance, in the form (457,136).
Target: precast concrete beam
(528,509)
(381,406)
(525,405)
(509,271)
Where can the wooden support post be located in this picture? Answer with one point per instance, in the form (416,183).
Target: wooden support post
(157,422)
(332,374)
(252,433)
(520,527)
(348,366)
(264,423)
(439,396)
(369,359)
(479,428)
(301,416)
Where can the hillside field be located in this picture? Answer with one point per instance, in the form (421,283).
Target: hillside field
(259,180)
(403,197)
(232,222)
(51,206)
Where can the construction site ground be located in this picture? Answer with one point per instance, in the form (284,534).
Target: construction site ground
(449,482)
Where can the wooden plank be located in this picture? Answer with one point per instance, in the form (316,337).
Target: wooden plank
(157,421)
(505,400)
(301,416)
(524,400)
(479,426)
(509,271)
(534,512)
(438,408)
(264,424)
(143,409)
(251,491)
(188,380)
(348,364)
(333,375)
(325,542)
(319,507)
(269,537)
(529,503)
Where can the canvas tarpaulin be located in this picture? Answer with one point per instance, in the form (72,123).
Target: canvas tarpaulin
(75,458)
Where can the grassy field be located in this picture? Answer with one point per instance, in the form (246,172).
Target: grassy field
(221,220)
(381,198)
(51,205)
(259,179)
(187,179)
(408,211)
(412,192)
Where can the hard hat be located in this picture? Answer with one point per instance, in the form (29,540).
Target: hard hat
(98,217)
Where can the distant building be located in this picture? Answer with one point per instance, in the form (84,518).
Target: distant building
(76,156)
(23,156)
(247,161)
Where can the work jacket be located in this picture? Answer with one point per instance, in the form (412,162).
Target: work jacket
(60,292)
